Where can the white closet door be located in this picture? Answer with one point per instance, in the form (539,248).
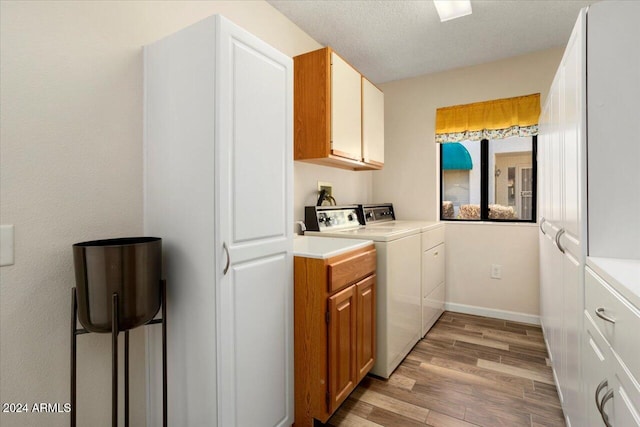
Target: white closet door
(254,236)
(574,140)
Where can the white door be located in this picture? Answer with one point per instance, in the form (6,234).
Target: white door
(254,234)
(346,109)
(596,359)
(372,123)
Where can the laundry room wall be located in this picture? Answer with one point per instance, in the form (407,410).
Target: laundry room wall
(410,179)
(71,170)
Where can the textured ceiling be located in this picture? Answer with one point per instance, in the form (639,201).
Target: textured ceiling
(392,40)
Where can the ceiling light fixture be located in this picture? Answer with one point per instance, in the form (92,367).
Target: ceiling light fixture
(452,9)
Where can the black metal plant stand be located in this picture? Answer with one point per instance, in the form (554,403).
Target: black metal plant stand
(114,363)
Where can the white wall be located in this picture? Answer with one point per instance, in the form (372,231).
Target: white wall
(410,178)
(71,170)
(348,186)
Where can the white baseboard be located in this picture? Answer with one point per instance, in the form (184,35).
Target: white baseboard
(492,312)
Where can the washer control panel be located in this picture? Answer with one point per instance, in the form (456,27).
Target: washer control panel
(331,218)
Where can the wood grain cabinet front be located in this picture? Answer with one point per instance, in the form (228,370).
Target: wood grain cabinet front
(338,113)
(334,331)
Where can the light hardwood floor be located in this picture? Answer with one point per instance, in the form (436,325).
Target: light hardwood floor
(468,371)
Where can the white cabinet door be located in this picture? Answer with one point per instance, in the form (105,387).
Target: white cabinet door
(572,271)
(573,133)
(372,123)
(433,290)
(254,234)
(346,109)
(623,409)
(596,372)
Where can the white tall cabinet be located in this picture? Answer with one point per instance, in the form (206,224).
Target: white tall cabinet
(567,159)
(562,159)
(218,169)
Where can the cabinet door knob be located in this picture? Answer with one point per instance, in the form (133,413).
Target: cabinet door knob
(558,235)
(226,250)
(600,314)
(602,385)
(605,399)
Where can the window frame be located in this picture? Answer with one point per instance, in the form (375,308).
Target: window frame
(484,186)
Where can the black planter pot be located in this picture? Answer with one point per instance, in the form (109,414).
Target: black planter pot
(130,267)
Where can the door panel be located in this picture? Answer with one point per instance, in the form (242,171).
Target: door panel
(366,325)
(372,122)
(596,358)
(572,326)
(253,239)
(572,129)
(256,318)
(342,346)
(259,145)
(346,109)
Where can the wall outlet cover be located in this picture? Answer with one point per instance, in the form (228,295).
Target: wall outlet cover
(496,271)
(327,186)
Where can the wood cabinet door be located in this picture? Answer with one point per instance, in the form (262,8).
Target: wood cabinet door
(342,346)
(365,325)
(372,124)
(346,109)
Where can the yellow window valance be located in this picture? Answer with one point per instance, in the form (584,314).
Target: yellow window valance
(496,119)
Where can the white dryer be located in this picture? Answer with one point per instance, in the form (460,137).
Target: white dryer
(432,254)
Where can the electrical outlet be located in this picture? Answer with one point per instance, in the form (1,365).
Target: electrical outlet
(496,271)
(327,186)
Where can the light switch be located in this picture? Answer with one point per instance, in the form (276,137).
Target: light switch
(6,245)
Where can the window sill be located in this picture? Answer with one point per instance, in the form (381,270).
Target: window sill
(492,223)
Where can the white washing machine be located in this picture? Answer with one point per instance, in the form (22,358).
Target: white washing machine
(398,285)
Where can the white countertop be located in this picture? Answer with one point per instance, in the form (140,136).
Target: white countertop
(325,247)
(622,274)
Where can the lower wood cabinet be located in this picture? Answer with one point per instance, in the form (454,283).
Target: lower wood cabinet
(334,330)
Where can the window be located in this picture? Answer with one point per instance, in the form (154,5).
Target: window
(489,180)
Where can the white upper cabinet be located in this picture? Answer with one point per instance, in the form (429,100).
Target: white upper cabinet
(346,111)
(372,123)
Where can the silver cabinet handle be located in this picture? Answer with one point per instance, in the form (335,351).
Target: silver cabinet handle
(605,399)
(542,221)
(558,235)
(226,250)
(602,385)
(600,314)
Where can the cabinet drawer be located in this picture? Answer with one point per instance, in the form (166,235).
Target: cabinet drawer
(349,270)
(432,238)
(622,335)
(626,398)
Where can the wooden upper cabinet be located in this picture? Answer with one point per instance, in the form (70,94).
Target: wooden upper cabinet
(329,113)
(372,124)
